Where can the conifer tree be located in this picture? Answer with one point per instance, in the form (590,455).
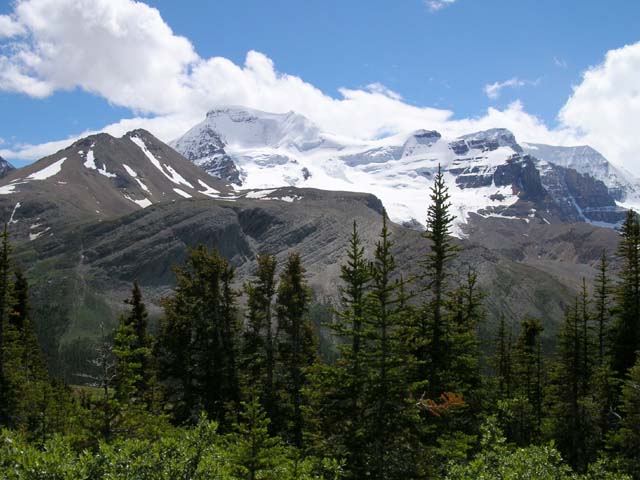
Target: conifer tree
(434,351)
(625,442)
(602,305)
(502,360)
(199,338)
(132,353)
(528,388)
(390,429)
(132,349)
(259,336)
(467,313)
(338,391)
(6,395)
(255,454)
(296,347)
(573,418)
(626,329)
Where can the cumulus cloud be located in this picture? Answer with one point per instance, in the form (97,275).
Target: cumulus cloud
(9,27)
(436,5)
(604,108)
(493,90)
(124,51)
(119,49)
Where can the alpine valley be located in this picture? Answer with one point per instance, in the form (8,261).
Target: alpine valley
(86,221)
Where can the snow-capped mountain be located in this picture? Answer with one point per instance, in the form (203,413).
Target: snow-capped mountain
(622,185)
(102,177)
(488,173)
(5,167)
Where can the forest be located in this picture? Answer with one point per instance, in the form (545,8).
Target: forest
(232,383)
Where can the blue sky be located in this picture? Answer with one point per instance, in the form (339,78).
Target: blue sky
(442,59)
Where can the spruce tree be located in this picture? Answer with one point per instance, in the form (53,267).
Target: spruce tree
(199,338)
(528,387)
(625,442)
(258,362)
(602,305)
(467,313)
(390,420)
(254,453)
(296,348)
(573,416)
(626,328)
(434,350)
(133,351)
(6,396)
(338,390)
(502,361)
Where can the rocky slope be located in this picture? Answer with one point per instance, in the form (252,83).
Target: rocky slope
(100,177)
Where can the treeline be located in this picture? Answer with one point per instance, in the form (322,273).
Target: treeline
(230,392)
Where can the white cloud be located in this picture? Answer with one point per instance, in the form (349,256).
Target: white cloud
(435,5)
(119,49)
(604,108)
(493,90)
(123,51)
(9,27)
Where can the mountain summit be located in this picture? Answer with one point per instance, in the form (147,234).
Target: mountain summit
(103,176)
(488,173)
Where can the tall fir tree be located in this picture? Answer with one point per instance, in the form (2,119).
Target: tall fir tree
(602,306)
(625,441)
(502,361)
(626,328)
(297,349)
(6,392)
(134,377)
(573,416)
(338,390)
(434,352)
(391,418)
(526,421)
(467,313)
(199,338)
(258,350)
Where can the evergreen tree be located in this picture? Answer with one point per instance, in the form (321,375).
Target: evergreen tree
(625,442)
(626,329)
(132,349)
(434,351)
(467,313)
(602,305)
(255,454)
(502,361)
(6,394)
(259,336)
(199,338)
(526,403)
(573,419)
(338,391)
(296,347)
(390,421)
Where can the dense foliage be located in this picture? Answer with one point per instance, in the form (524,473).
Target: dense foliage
(244,393)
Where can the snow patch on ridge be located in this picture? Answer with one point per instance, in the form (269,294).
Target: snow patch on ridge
(173,176)
(49,171)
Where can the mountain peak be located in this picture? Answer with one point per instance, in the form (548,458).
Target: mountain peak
(5,167)
(491,139)
(249,128)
